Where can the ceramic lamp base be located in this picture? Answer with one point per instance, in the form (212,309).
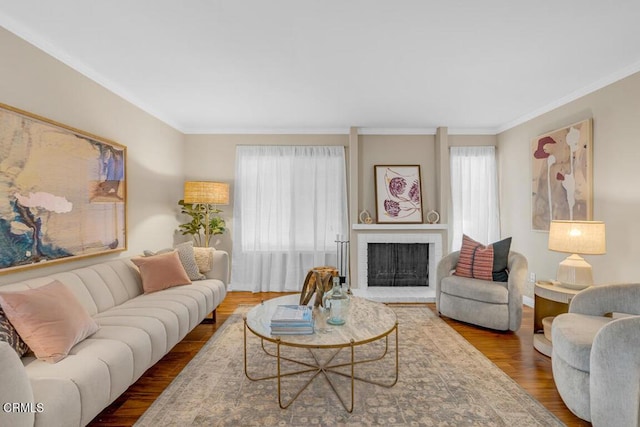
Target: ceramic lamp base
(575,273)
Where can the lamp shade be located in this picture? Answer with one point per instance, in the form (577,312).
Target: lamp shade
(577,237)
(206,192)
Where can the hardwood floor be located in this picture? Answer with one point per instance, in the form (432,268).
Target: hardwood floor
(512,352)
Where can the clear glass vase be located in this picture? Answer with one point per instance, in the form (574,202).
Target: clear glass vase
(337,302)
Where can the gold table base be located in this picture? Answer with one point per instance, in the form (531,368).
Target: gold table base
(322,368)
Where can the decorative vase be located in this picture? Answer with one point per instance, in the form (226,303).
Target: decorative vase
(337,302)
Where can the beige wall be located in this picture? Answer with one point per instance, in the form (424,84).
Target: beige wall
(36,82)
(615,110)
(396,150)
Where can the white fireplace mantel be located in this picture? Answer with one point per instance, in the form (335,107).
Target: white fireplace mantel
(397,233)
(399,227)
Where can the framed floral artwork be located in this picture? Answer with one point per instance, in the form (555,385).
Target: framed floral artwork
(63,192)
(398,194)
(562,175)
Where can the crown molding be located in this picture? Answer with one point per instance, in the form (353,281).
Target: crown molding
(39,42)
(396,131)
(425,131)
(599,84)
(336,131)
(266,131)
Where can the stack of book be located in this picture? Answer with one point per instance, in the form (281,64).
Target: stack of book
(292,320)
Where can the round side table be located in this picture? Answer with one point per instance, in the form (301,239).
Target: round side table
(550,300)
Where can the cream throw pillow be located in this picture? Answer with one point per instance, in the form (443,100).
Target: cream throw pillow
(49,319)
(204,259)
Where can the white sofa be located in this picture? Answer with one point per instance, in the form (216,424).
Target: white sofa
(136,330)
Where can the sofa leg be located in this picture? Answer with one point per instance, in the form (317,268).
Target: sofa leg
(211,319)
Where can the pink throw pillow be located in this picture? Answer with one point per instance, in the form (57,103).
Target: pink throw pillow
(49,319)
(476,260)
(161,271)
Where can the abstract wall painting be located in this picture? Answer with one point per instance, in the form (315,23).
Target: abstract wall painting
(62,192)
(398,194)
(562,175)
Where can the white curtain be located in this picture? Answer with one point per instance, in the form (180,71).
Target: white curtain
(474,195)
(290,203)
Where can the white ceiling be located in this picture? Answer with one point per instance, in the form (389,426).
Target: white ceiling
(256,66)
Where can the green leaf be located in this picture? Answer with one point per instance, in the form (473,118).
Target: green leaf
(198,212)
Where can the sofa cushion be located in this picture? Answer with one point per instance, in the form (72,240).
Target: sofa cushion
(77,387)
(49,319)
(137,340)
(15,387)
(172,318)
(572,335)
(102,286)
(116,355)
(60,399)
(487,291)
(207,294)
(214,292)
(483,262)
(174,296)
(186,253)
(146,326)
(161,271)
(9,335)
(171,312)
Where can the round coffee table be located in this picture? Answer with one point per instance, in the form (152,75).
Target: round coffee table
(368,321)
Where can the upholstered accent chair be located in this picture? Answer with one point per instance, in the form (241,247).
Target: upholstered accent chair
(596,358)
(493,305)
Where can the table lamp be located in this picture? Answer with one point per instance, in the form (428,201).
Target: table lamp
(576,237)
(206,194)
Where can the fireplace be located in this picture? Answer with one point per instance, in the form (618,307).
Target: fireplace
(398,264)
(431,240)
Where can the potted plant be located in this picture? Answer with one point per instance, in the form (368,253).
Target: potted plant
(203,218)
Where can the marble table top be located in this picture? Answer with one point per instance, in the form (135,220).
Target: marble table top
(367,321)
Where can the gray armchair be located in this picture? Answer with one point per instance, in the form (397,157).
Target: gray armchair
(494,305)
(596,358)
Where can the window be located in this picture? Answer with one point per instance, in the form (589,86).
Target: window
(474,195)
(290,203)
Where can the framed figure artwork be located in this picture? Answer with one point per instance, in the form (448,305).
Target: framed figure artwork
(562,175)
(63,192)
(398,194)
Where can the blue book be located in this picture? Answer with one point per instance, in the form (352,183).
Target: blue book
(292,315)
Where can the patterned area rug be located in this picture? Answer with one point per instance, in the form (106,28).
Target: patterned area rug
(444,381)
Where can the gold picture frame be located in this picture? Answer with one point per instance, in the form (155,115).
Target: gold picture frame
(63,193)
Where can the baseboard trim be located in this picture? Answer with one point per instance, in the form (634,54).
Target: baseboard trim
(527,301)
